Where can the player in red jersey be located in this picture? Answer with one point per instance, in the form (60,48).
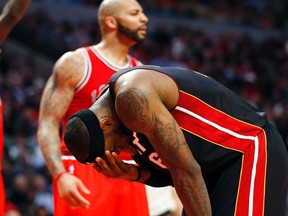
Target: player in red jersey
(11,14)
(222,154)
(76,81)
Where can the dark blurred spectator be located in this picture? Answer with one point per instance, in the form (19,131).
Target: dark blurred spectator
(43,196)
(22,195)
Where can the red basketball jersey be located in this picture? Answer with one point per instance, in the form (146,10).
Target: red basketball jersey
(96,75)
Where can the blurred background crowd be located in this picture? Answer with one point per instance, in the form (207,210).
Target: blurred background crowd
(242,44)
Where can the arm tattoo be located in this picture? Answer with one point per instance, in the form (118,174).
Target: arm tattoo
(169,136)
(135,104)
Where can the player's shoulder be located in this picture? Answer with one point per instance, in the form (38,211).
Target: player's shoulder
(75,56)
(70,65)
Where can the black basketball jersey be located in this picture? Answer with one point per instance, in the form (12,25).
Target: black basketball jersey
(215,121)
(220,128)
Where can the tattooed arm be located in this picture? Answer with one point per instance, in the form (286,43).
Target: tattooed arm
(142,105)
(56,98)
(13,11)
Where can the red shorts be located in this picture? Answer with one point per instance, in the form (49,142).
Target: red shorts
(109,197)
(2,196)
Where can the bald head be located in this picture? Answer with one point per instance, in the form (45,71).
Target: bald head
(115,8)
(108,8)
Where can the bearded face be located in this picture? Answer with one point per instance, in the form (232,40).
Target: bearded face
(136,35)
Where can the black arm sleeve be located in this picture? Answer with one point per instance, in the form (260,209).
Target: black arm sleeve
(158,177)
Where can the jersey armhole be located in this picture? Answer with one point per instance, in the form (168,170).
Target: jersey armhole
(87,70)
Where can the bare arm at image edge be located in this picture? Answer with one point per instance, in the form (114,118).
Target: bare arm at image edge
(12,13)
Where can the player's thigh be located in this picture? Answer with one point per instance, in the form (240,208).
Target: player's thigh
(162,200)
(225,185)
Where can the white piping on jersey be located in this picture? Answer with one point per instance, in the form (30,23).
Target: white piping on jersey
(86,73)
(138,63)
(71,157)
(67,157)
(129,161)
(88,66)
(108,62)
(232,133)
(253,174)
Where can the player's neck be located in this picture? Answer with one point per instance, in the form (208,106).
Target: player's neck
(115,52)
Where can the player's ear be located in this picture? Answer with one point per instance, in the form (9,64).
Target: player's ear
(111,22)
(106,123)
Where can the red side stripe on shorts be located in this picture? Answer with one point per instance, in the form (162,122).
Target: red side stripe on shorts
(223,130)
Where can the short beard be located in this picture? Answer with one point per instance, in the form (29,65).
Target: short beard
(132,34)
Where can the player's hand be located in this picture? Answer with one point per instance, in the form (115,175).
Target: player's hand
(113,167)
(70,188)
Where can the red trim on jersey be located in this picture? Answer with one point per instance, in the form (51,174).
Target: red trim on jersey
(223,130)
